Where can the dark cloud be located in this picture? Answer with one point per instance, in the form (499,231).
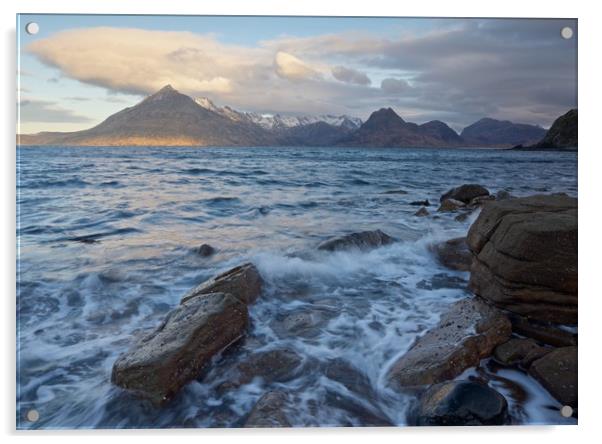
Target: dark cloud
(48,112)
(394,86)
(350,75)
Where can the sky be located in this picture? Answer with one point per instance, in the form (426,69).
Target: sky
(79,69)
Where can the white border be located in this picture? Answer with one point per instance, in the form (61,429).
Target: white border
(590,185)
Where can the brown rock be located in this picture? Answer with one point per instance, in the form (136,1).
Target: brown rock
(244,282)
(480,201)
(162,362)
(557,372)
(468,332)
(521,352)
(269,411)
(465,193)
(364,240)
(205,250)
(454,254)
(450,205)
(547,334)
(422,212)
(526,256)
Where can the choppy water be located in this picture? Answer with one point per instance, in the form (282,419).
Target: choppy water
(105,239)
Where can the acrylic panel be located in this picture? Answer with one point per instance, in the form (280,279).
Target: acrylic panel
(228,221)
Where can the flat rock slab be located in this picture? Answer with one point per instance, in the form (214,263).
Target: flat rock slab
(163,361)
(243,282)
(364,240)
(557,372)
(525,256)
(468,332)
(519,351)
(269,411)
(454,254)
(461,403)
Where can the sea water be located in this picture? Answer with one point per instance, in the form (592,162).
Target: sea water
(106,240)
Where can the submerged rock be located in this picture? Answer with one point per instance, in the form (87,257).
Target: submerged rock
(162,362)
(518,351)
(244,282)
(461,403)
(205,250)
(450,205)
(269,411)
(364,240)
(421,203)
(422,212)
(557,372)
(454,254)
(465,193)
(468,332)
(525,256)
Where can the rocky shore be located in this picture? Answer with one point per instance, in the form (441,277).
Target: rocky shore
(521,254)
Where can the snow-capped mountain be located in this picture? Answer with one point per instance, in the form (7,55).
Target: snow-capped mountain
(279,121)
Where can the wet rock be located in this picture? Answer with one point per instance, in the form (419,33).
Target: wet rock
(546,333)
(518,351)
(278,365)
(395,192)
(450,205)
(244,282)
(422,212)
(350,377)
(465,193)
(421,203)
(454,254)
(468,332)
(363,240)
(480,201)
(304,323)
(462,217)
(442,280)
(205,250)
(557,372)
(269,411)
(525,256)
(461,403)
(503,195)
(162,362)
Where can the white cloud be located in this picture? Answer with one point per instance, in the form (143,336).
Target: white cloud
(290,67)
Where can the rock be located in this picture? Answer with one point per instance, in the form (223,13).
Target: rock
(422,212)
(557,372)
(465,193)
(503,195)
(449,205)
(205,250)
(468,332)
(421,203)
(277,365)
(454,254)
(480,201)
(162,362)
(461,403)
(525,256)
(244,282)
(363,240)
(547,334)
(521,352)
(395,192)
(269,411)
(462,217)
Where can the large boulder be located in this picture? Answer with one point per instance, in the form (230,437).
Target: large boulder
(519,351)
(525,256)
(364,240)
(454,254)
(467,333)
(163,361)
(465,193)
(269,411)
(557,372)
(243,281)
(461,403)
(450,205)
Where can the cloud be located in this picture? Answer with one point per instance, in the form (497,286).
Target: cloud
(350,75)
(290,67)
(48,112)
(394,86)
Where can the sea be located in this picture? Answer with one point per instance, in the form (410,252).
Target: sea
(106,247)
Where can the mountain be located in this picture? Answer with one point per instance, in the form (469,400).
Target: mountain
(279,121)
(164,118)
(491,132)
(562,134)
(384,128)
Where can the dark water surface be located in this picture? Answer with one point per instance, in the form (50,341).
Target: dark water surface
(105,240)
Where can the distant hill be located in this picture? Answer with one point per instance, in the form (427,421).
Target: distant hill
(562,134)
(169,118)
(492,132)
